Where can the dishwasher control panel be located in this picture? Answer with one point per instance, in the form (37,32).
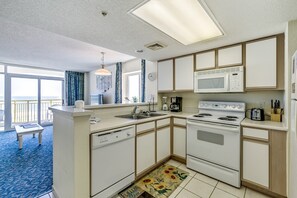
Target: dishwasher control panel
(112,136)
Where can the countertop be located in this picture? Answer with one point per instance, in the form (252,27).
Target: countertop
(115,122)
(112,122)
(70,111)
(280,126)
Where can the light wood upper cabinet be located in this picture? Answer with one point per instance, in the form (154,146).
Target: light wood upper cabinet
(205,60)
(184,72)
(230,56)
(165,75)
(261,64)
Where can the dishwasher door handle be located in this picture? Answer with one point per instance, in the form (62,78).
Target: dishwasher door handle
(112,136)
(109,133)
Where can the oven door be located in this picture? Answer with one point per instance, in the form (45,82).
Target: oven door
(211,83)
(215,143)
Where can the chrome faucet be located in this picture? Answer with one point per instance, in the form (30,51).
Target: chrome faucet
(134,110)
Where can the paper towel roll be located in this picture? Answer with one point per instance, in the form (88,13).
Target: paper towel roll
(80,104)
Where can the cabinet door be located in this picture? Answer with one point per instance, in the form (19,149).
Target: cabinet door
(256,162)
(163,143)
(184,71)
(145,156)
(179,141)
(205,60)
(230,56)
(261,64)
(165,75)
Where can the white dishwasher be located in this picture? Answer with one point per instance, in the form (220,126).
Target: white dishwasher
(112,161)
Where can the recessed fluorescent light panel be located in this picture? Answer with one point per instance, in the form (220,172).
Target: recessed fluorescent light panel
(187,21)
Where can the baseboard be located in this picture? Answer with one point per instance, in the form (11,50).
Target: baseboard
(145,172)
(261,190)
(179,159)
(55,192)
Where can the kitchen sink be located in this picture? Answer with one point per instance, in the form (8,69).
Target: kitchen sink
(140,116)
(156,114)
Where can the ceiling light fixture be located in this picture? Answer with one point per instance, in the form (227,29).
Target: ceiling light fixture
(188,21)
(102,71)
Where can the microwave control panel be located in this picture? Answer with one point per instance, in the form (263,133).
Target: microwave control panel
(236,81)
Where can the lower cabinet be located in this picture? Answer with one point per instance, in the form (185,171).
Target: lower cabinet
(179,141)
(264,160)
(156,142)
(145,153)
(163,143)
(256,162)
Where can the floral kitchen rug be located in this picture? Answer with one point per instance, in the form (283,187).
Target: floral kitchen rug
(158,184)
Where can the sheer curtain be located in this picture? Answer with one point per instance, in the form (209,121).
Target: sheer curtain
(118,83)
(74,87)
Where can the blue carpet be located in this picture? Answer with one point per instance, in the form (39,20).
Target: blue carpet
(26,173)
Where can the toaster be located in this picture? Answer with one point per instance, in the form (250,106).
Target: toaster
(257,114)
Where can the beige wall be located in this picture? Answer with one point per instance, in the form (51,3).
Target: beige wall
(252,99)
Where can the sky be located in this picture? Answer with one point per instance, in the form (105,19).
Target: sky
(29,87)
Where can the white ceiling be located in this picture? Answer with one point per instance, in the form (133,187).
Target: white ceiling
(66,34)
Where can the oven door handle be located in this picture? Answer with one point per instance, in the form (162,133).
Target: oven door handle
(230,128)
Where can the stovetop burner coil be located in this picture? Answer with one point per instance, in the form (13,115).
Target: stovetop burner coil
(227,119)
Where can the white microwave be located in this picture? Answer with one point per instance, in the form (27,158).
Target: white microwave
(228,79)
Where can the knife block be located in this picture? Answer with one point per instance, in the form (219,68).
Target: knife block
(276,117)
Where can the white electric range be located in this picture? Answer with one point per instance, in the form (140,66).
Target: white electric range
(213,140)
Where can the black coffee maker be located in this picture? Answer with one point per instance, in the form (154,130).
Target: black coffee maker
(176,104)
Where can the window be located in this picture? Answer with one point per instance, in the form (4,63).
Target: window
(1,68)
(131,87)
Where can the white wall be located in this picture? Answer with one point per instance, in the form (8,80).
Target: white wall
(151,86)
(131,66)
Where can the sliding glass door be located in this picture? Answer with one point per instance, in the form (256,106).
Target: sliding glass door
(51,92)
(30,98)
(26,93)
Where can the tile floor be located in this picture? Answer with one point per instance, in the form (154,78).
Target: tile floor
(200,186)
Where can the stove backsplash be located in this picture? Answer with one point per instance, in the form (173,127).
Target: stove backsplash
(259,99)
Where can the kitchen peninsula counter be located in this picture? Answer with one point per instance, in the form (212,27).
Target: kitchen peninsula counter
(71,143)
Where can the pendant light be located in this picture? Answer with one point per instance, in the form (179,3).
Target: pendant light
(102,71)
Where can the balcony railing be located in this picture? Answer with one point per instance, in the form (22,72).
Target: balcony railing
(27,110)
